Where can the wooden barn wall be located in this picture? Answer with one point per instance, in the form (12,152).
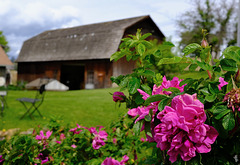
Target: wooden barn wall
(123,67)
(146,26)
(102,71)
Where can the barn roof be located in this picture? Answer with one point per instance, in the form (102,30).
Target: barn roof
(4,60)
(94,41)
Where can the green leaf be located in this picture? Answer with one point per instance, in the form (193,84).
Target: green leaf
(124,82)
(205,91)
(191,48)
(146,89)
(154,98)
(137,128)
(133,85)
(163,103)
(185,81)
(147,127)
(228,122)
(228,65)
(232,52)
(139,100)
(173,60)
(143,37)
(141,49)
(213,88)
(220,111)
(193,67)
(128,57)
(116,56)
(172,89)
(211,98)
(204,65)
(147,73)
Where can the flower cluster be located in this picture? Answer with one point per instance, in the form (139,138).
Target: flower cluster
(42,138)
(111,161)
(99,136)
(182,129)
(44,159)
(143,111)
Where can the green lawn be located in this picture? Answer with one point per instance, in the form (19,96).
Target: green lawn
(86,107)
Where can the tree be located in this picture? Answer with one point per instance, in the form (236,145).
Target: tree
(4,42)
(216,18)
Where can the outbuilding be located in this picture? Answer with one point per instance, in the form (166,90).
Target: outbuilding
(79,57)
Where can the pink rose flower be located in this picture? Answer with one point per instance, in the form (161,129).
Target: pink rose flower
(99,137)
(222,83)
(42,136)
(111,161)
(73,146)
(118,96)
(1,159)
(182,130)
(114,141)
(44,159)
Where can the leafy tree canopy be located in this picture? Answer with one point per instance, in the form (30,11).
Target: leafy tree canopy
(4,42)
(214,16)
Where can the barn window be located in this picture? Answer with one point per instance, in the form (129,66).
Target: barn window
(90,77)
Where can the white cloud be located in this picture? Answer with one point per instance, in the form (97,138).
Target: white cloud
(23,19)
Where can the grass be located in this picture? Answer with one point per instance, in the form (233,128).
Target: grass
(85,107)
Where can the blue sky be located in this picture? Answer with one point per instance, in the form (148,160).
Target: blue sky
(23,19)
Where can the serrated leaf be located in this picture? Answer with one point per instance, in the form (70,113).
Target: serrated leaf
(154,98)
(124,82)
(205,91)
(220,111)
(173,60)
(128,57)
(116,56)
(228,65)
(211,98)
(137,128)
(163,103)
(228,122)
(139,100)
(133,85)
(172,89)
(146,89)
(141,49)
(232,52)
(191,48)
(144,36)
(185,81)
(204,65)
(193,67)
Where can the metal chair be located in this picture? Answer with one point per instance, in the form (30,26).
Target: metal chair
(35,103)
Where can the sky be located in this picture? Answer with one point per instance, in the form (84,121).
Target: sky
(23,19)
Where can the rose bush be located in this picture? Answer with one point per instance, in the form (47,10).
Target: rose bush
(177,121)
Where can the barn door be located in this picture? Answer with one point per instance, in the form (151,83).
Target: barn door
(72,76)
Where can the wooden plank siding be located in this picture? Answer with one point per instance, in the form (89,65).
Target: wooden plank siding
(102,70)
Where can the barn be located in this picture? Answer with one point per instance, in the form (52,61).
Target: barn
(79,57)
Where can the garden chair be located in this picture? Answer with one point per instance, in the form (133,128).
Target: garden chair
(35,103)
